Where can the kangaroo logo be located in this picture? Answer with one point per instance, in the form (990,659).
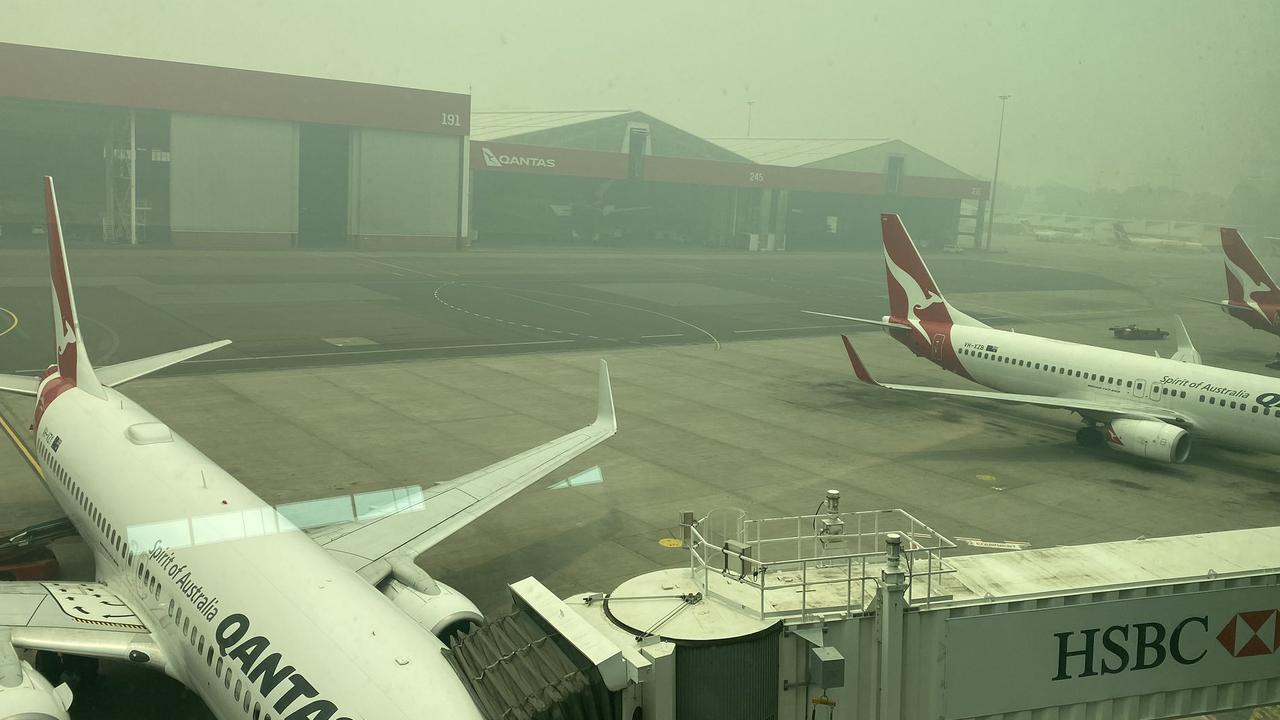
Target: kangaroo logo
(918,298)
(65,338)
(1249,287)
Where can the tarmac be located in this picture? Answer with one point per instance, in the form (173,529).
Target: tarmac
(727,396)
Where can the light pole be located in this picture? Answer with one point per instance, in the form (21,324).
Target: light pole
(995,176)
(749,104)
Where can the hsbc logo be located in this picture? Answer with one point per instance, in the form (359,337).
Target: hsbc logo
(494,160)
(1250,634)
(1149,645)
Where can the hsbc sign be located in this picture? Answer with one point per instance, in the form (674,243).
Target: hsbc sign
(1148,645)
(1023,660)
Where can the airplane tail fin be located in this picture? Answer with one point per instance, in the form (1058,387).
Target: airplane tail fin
(1244,273)
(913,295)
(73,361)
(1187,352)
(1122,235)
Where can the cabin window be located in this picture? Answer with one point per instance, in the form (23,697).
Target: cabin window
(209,656)
(1182,394)
(170,607)
(186,623)
(1129,384)
(226,679)
(1266,411)
(237,690)
(1213,400)
(1233,404)
(1253,409)
(1037,366)
(1201,398)
(257,711)
(246,699)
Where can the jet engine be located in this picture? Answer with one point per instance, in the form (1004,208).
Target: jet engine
(25,694)
(1149,439)
(435,606)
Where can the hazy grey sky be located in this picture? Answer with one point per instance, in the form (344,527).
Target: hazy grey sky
(1114,92)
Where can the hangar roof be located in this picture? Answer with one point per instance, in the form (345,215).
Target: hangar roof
(855,154)
(598,130)
(502,124)
(72,76)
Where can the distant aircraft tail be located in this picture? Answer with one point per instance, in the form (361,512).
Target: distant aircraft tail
(1248,283)
(1122,235)
(913,295)
(73,361)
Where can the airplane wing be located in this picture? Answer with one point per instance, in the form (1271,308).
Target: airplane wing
(21,384)
(1093,407)
(367,546)
(78,618)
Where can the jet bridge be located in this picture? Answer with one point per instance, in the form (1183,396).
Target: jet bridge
(872,615)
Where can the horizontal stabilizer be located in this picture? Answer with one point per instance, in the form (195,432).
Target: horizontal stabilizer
(21,384)
(1219,303)
(865,321)
(118,374)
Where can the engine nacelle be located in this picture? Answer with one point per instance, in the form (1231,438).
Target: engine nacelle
(1149,439)
(435,606)
(26,694)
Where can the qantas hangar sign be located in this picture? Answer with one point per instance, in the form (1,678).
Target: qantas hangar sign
(503,160)
(1024,660)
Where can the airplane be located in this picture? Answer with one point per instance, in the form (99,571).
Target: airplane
(1150,407)
(198,577)
(1252,296)
(1053,235)
(1124,239)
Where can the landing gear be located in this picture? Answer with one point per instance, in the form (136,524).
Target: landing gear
(1090,437)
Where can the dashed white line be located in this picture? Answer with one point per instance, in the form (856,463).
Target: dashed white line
(647,337)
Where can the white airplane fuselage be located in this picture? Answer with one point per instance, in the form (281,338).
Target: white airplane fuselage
(241,607)
(1243,413)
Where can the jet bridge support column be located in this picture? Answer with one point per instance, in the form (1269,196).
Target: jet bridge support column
(889,615)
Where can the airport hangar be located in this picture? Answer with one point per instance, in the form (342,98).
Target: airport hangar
(627,177)
(149,151)
(226,157)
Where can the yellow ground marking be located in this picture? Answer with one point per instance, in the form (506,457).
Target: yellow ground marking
(670,542)
(985,478)
(22,447)
(12,317)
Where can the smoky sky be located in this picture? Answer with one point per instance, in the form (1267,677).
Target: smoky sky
(1105,94)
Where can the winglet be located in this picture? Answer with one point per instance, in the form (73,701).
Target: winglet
(858,368)
(605,415)
(1187,352)
(73,360)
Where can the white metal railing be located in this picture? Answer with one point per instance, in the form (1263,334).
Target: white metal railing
(828,560)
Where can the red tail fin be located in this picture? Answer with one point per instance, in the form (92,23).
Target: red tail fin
(73,363)
(913,294)
(1247,281)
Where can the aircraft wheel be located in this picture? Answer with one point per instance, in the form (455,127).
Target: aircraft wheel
(1089,437)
